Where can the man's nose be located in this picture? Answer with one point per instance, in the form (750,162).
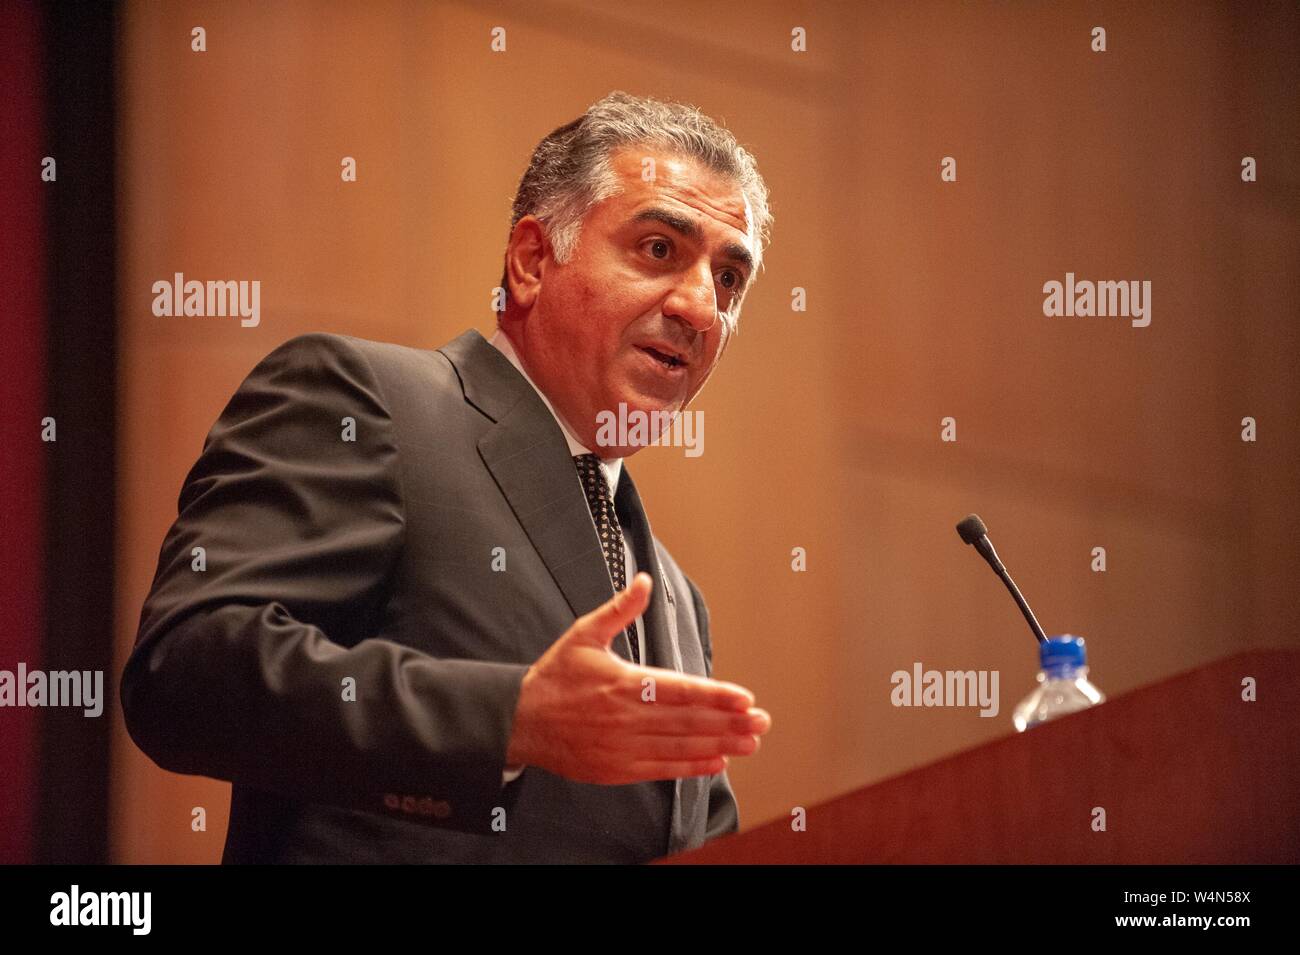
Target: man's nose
(693,299)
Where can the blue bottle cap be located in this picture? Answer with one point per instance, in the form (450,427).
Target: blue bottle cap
(1062,654)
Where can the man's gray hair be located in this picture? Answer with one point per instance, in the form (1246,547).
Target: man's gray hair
(570,170)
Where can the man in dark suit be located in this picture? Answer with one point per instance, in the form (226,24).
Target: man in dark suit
(387,610)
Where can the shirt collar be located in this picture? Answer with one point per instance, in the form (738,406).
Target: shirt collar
(611,467)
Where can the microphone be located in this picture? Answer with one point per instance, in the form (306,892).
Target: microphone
(972,530)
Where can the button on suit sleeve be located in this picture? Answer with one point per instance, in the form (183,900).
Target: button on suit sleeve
(256,659)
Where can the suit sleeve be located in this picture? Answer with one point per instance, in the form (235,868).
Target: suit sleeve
(724,814)
(256,660)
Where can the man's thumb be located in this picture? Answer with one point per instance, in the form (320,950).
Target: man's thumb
(603,624)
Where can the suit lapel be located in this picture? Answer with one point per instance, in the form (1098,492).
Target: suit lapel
(661,635)
(529,459)
(660,617)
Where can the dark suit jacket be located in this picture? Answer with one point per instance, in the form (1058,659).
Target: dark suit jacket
(327,560)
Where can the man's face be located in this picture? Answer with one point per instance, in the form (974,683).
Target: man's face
(656,267)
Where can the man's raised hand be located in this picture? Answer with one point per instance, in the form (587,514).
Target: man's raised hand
(591,716)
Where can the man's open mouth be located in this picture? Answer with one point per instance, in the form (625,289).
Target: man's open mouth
(670,361)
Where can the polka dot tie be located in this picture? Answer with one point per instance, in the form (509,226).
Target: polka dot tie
(611,535)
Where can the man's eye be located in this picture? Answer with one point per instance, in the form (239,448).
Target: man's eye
(735,279)
(656,244)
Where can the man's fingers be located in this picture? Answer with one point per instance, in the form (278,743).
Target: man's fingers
(698,721)
(685,689)
(643,770)
(602,625)
(690,748)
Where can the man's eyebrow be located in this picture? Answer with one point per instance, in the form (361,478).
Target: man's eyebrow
(732,251)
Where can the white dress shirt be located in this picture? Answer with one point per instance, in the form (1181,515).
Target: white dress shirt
(612,468)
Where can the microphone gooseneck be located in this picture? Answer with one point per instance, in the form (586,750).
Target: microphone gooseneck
(972,531)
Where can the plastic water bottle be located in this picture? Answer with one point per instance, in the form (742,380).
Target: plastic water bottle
(1063,684)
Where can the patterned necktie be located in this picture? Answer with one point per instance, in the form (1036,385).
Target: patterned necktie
(611,535)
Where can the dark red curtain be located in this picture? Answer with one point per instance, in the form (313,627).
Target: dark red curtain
(22,405)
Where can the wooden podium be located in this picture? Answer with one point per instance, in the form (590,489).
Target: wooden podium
(1185,769)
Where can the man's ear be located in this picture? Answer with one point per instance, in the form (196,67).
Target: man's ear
(526,257)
